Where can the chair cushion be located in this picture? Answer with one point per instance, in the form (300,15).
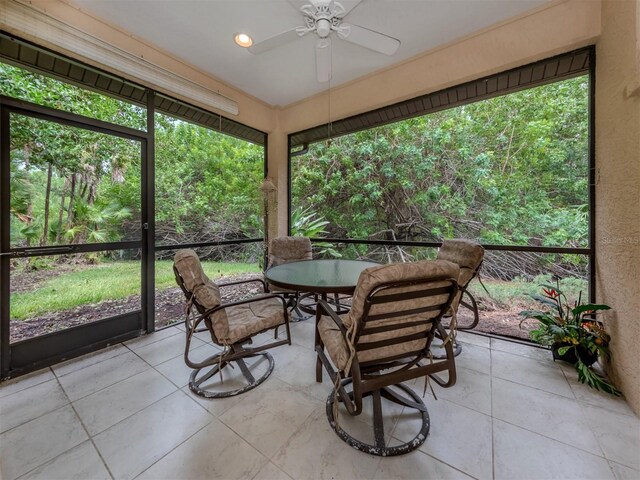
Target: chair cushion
(373,277)
(289,249)
(339,351)
(205,292)
(248,319)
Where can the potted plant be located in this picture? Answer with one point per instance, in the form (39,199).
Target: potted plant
(574,334)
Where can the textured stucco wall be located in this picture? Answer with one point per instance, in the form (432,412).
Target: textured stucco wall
(618,187)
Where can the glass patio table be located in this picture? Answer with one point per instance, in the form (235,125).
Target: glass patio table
(318,276)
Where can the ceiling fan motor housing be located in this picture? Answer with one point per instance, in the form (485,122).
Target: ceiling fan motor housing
(323,27)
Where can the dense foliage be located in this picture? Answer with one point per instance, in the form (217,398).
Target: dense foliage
(512,170)
(71,185)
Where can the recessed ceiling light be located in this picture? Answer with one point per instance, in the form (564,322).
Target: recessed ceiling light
(243,40)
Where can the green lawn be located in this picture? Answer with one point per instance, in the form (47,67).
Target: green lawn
(117,280)
(105,281)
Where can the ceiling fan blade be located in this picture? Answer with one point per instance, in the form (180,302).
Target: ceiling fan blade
(323,60)
(274,42)
(370,39)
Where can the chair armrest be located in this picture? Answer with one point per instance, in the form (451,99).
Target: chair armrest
(324,305)
(240,282)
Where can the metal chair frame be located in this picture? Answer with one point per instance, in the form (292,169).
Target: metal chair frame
(473,306)
(368,379)
(236,352)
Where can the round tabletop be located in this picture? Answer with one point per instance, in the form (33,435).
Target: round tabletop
(318,276)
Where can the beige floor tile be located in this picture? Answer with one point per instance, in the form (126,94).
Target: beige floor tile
(30,403)
(270,414)
(416,465)
(214,452)
(177,371)
(205,336)
(154,337)
(271,472)
(459,436)
(526,455)
(93,378)
(165,349)
(545,375)
(475,358)
(38,441)
(315,451)
(590,396)
(232,379)
(473,339)
(551,415)
(529,351)
(79,463)
(303,333)
(472,389)
(622,472)
(151,434)
(29,380)
(266,337)
(296,366)
(89,359)
(107,407)
(618,435)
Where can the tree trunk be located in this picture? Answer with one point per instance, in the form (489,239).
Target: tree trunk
(72,195)
(61,211)
(27,155)
(47,195)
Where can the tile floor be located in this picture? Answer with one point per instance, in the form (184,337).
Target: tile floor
(126,412)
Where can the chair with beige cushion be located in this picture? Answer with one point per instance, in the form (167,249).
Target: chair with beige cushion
(384,340)
(232,327)
(289,249)
(468,255)
(284,250)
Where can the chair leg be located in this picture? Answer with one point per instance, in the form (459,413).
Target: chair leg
(380,448)
(473,306)
(378,421)
(196,380)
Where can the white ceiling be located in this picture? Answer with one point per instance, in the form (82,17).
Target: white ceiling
(201,32)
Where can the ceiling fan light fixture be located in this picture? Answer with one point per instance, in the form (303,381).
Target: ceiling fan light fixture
(243,40)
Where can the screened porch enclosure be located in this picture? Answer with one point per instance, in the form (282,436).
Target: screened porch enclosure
(391,191)
(102,182)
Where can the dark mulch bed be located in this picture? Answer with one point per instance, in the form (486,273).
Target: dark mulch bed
(170,304)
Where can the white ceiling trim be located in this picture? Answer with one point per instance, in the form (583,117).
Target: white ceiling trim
(38,24)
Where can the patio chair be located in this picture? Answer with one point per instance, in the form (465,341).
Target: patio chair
(232,326)
(284,250)
(468,255)
(383,341)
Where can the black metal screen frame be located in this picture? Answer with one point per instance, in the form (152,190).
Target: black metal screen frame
(352,124)
(31,354)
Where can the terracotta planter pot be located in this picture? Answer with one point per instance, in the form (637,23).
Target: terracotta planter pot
(587,357)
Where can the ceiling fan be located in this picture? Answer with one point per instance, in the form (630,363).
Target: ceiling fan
(324,17)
